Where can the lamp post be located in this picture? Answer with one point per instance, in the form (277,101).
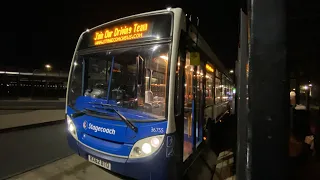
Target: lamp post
(48,68)
(33,84)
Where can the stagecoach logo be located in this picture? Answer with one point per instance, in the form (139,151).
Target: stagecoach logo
(95,128)
(85,124)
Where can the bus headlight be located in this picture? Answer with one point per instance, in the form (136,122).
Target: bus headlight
(71,127)
(145,147)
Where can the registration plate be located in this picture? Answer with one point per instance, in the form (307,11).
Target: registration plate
(99,162)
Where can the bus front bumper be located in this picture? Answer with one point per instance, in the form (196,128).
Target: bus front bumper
(155,166)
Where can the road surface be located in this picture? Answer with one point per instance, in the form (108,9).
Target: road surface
(25,149)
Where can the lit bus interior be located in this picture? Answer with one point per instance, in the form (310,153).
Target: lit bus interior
(216,90)
(131,68)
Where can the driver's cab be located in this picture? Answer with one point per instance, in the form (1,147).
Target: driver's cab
(131,77)
(119,90)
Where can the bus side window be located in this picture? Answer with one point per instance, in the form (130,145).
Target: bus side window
(218,87)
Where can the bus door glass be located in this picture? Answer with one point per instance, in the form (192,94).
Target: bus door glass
(199,75)
(209,93)
(193,106)
(218,93)
(188,99)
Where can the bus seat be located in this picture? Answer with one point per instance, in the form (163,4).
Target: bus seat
(148,97)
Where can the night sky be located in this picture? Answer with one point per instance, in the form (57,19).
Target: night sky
(38,32)
(48,32)
(304,37)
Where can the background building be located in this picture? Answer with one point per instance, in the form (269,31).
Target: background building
(38,84)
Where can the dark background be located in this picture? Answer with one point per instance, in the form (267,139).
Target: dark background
(47,32)
(38,32)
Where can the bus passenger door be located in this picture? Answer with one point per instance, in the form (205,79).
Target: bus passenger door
(188,143)
(193,105)
(209,96)
(199,80)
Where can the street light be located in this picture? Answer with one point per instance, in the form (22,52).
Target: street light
(305,87)
(48,66)
(231,71)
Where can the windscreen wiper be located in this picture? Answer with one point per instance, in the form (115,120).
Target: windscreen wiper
(102,104)
(129,123)
(107,107)
(79,113)
(83,112)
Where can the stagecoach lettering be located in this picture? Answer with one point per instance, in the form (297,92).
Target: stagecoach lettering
(157,130)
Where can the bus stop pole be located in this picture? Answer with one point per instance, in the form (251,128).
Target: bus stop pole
(268,91)
(242,159)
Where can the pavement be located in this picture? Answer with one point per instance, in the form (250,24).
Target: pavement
(19,118)
(26,149)
(74,167)
(306,166)
(27,104)
(29,137)
(224,166)
(33,100)
(224,145)
(25,112)
(70,168)
(5,112)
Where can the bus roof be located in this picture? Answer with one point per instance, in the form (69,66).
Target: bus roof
(202,44)
(135,16)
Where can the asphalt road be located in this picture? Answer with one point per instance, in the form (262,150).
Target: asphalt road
(23,150)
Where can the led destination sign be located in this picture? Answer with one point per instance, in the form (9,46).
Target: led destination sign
(153,27)
(121,33)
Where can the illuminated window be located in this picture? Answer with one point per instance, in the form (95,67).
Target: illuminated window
(218,88)
(209,87)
